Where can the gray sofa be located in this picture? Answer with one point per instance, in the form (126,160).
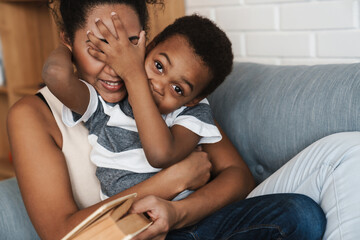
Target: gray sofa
(272,112)
(269,112)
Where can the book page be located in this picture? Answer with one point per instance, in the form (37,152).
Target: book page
(97,214)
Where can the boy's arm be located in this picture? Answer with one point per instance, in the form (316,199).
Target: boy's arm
(162,146)
(58,74)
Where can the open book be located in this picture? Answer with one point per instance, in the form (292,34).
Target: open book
(111,221)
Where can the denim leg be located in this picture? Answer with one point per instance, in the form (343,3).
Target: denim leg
(328,172)
(275,216)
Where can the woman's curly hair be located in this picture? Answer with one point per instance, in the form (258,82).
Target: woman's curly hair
(71,15)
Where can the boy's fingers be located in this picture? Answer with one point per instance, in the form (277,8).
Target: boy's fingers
(119,27)
(198,148)
(142,39)
(96,54)
(104,31)
(96,41)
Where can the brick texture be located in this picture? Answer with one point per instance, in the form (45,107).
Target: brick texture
(287,32)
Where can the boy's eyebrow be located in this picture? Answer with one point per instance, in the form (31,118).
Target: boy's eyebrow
(188,83)
(166,56)
(182,78)
(104,40)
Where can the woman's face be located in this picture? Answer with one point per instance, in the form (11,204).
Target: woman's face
(110,87)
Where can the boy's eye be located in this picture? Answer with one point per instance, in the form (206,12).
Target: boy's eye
(159,67)
(178,90)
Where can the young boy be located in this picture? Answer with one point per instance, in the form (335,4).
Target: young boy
(165,115)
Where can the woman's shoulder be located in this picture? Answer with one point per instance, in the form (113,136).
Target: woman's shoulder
(31,111)
(29,106)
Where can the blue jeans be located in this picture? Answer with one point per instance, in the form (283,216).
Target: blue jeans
(275,216)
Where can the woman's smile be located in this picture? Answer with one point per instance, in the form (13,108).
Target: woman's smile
(112,85)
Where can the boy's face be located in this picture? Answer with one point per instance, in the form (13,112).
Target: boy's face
(176,74)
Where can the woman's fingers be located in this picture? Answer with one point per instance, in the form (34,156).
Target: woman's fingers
(161,213)
(143,205)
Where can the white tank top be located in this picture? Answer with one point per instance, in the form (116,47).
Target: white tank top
(76,149)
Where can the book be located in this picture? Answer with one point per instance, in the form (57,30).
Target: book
(111,221)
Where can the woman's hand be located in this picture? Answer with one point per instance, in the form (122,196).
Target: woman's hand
(162,213)
(194,171)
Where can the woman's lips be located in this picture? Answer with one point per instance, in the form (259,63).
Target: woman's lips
(112,85)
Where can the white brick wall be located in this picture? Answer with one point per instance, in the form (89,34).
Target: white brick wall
(287,32)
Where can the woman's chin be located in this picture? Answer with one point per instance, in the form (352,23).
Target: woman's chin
(113,98)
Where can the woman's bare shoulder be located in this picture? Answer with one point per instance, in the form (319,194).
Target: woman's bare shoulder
(31,111)
(27,105)
(30,108)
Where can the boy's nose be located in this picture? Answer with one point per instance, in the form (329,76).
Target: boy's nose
(157,86)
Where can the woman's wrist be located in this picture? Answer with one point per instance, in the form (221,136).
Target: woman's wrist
(181,216)
(176,179)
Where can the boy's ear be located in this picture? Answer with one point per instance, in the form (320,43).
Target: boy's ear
(194,101)
(65,40)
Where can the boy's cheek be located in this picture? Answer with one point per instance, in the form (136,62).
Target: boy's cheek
(148,69)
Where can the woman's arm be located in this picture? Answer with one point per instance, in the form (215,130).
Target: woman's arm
(232,181)
(42,173)
(58,74)
(162,146)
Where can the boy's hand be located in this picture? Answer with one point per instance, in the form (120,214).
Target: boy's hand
(119,52)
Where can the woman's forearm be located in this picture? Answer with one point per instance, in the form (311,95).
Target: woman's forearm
(232,182)
(229,186)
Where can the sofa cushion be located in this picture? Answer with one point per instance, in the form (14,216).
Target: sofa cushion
(14,220)
(271,112)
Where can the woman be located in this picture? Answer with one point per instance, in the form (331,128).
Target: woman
(59,191)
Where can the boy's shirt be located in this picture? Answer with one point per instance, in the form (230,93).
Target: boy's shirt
(114,137)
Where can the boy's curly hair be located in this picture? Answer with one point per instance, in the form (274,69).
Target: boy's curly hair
(209,42)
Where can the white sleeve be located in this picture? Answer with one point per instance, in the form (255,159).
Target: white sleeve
(67,114)
(197,119)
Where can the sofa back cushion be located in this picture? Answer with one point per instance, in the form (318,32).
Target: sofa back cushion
(271,113)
